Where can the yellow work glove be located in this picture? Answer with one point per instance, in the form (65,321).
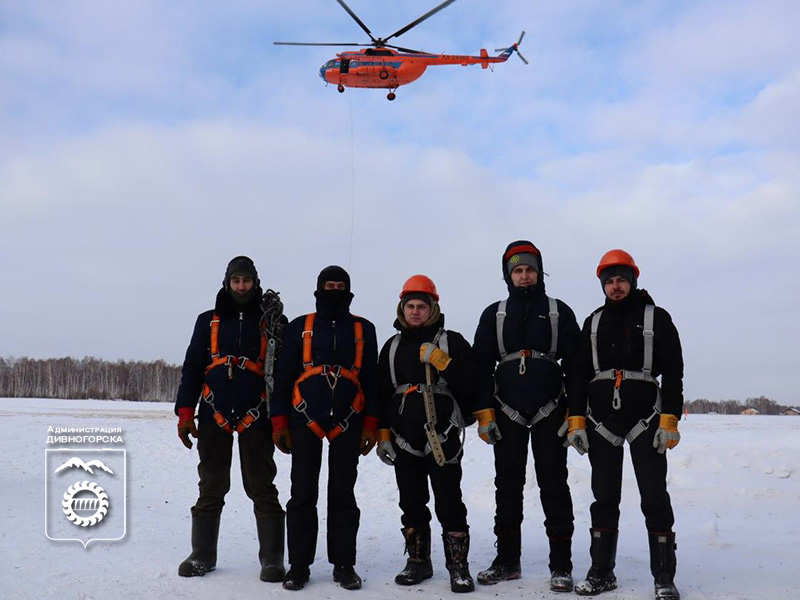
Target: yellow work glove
(488,430)
(577,434)
(667,435)
(429,353)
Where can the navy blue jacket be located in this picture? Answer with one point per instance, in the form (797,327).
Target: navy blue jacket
(526,327)
(333,343)
(239,335)
(620,345)
(459,374)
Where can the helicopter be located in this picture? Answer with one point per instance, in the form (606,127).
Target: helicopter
(386,66)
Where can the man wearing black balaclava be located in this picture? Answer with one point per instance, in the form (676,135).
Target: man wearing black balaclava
(326,388)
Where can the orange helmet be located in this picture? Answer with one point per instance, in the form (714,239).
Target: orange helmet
(617,257)
(420,284)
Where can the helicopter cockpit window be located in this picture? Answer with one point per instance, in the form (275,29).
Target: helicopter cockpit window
(353,64)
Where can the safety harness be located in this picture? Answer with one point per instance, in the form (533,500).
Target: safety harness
(331,373)
(521,355)
(428,391)
(232,362)
(620,375)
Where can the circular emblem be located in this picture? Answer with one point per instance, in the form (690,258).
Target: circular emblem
(85,503)
(514,259)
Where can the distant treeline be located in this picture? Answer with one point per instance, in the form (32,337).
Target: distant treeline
(88,377)
(763,405)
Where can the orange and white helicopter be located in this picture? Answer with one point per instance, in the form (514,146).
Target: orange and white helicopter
(385,66)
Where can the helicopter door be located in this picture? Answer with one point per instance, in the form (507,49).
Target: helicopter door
(345,66)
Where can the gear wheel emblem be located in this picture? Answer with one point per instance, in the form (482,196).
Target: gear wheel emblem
(92,505)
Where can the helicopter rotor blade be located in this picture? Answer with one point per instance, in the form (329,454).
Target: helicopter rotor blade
(522,58)
(409,50)
(413,24)
(521,35)
(317,44)
(356,19)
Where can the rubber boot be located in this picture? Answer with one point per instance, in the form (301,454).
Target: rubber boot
(505,566)
(456,553)
(663,564)
(561,565)
(205,533)
(418,566)
(270,530)
(601,576)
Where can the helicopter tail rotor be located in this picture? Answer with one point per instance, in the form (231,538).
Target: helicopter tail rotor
(515,48)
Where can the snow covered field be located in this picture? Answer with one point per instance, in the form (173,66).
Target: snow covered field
(734,480)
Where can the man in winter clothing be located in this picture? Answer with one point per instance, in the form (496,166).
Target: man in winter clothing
(326,387)
(625,345)
(518,344)
(224,372)
(423,353)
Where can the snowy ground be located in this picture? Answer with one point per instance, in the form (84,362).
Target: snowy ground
(734,480)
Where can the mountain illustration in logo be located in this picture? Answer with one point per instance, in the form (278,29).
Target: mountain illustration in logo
(77,462)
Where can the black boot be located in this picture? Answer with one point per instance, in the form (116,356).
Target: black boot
(418,566)
(296,578)
(456,553)
(561,565)
(601,576)
(346,577)
(205,532)
(270,546)
(505,566)
(663,564)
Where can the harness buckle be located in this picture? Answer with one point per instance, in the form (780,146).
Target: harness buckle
(301,406)
(332,375)
(241,362)
(522,366)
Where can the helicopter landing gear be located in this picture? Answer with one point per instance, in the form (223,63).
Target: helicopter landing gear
(391,96)
(340,87)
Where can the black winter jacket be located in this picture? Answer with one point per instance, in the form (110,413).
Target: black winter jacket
(620,345)
(239,335)
(333,343)
(406,415)
(526,327)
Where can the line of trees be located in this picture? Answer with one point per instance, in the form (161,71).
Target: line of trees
(88,377)
(762,404)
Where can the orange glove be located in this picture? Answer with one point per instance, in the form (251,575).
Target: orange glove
(428,353)
(487,426)
(667,436)
(369,435)
(186,426)
(280,434)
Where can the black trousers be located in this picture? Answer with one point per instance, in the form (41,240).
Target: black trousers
(256,450)
(412,474)
(302,523)
(650,469)
(550,464)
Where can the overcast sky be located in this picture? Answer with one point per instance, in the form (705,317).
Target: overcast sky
(145,143)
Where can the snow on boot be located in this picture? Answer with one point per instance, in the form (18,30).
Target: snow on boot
(561,565)
(296,578)
(505,566)
(418,566)
(663,564)
(346,577)
(561,581)
(601,576)
(270,530)
(205,533)
(456,552)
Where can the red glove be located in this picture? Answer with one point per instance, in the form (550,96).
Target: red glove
(186,425)
(280,434)
(369,435)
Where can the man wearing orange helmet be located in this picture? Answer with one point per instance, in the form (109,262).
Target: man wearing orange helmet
(518,345)
(616,397)
(426,386)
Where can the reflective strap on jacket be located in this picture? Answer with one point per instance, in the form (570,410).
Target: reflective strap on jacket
(500,319)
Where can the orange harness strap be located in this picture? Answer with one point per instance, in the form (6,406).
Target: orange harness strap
(231,361)
(332,374)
